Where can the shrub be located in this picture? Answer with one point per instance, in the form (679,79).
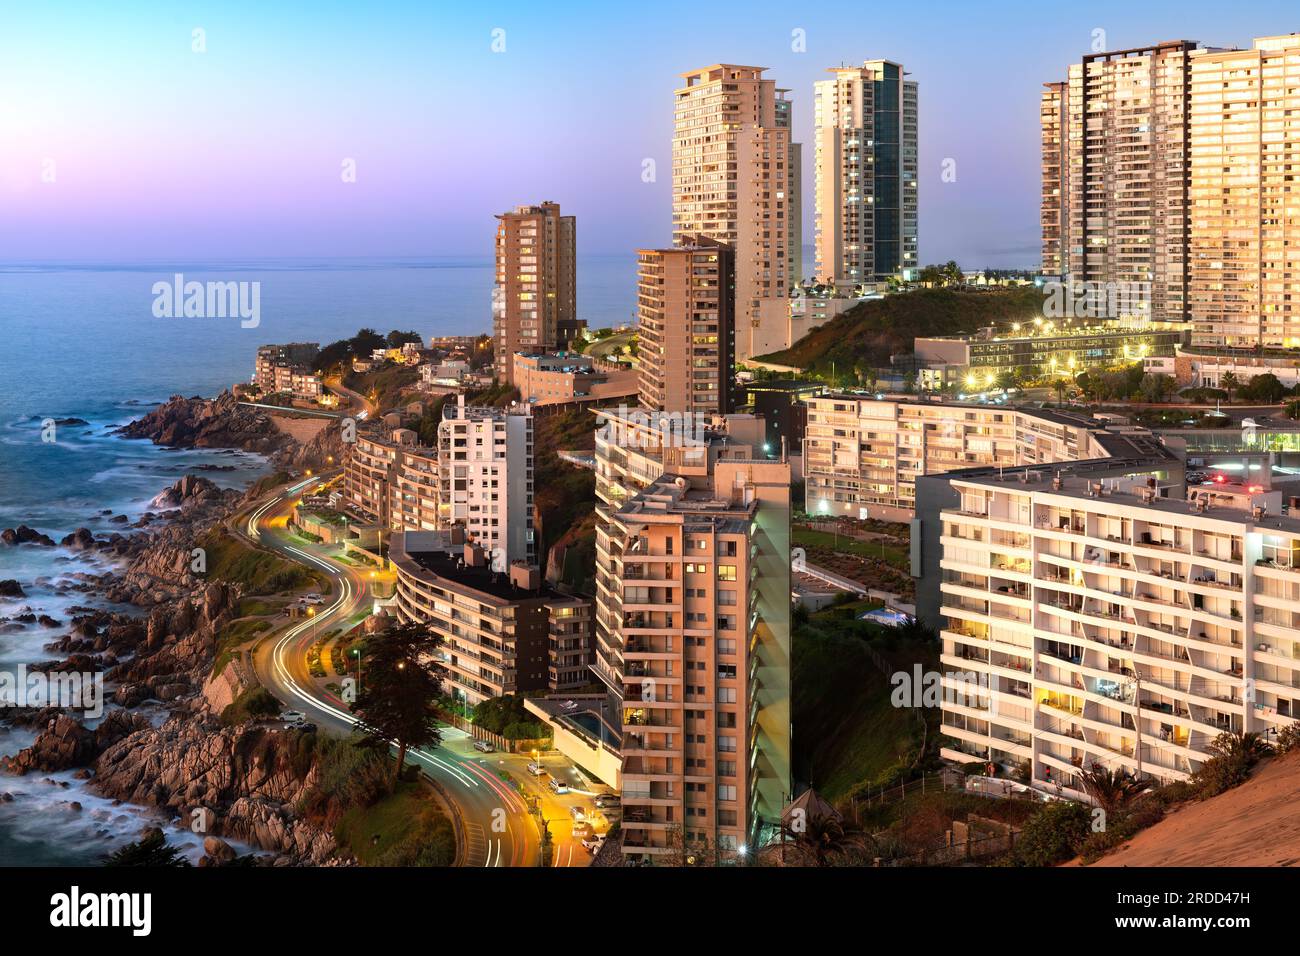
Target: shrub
(1054,834)
(1288,738)
(255,701)
(1232,757)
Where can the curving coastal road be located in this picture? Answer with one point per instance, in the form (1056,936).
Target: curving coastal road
(498,828)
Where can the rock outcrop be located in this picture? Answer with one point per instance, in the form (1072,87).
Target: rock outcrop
(25,535)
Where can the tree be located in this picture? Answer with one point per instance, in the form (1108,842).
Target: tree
(1264,388)
(1229,383)
(1060,387)
(820,839)
(1157,387)
(402,682)
(1112,790)
(149,850)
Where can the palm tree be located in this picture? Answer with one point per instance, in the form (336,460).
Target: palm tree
(1229,382)
(820,836)
(1248,747)
(1112,790)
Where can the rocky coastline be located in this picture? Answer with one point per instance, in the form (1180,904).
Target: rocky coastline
(160,743)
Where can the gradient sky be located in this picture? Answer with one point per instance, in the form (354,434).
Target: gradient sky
(161,153)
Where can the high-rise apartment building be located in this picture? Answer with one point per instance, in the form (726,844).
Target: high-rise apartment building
(865,175)
(1244,199)
(485,467)
(1054,210)
(862,456)
(733,181)
(535,295)
(1101,613)
(479,477)
(1115,144)
(685,302)
(693,629)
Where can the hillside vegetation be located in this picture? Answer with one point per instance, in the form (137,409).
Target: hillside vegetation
(870,332)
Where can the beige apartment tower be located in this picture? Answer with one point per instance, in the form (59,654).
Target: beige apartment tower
(685,303)
(865,174)
(693,631)
(734,181)
(535,292)
(1245,201)
(1114,144)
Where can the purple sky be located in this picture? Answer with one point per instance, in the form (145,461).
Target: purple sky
(160,152)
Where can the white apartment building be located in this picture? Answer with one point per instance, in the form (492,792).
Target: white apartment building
(865,174)
(485,471)
(1099,613)
(862,455)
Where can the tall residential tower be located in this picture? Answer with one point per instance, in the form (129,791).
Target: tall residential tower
(865,176)
(733,181)
(535,295)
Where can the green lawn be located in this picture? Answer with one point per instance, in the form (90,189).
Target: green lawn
(410,829)
(895,554)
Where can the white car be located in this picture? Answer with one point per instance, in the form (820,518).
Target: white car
(483,747)
(536,770)
(583,831)
(292,716)
(578,813)
(594,842)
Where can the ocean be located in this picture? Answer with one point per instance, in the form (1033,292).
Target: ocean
(81,341)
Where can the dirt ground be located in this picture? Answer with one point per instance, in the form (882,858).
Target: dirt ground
(1256,824)
(301,428)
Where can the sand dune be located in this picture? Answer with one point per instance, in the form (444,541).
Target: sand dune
(1257,824)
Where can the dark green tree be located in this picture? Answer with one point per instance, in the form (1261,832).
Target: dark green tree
(402,682)
(150,850)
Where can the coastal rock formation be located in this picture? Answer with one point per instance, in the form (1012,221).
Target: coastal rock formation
(209,423)
(249,777)
(80,540)
(192,491)
(66,743)
(25,535)
(11,589)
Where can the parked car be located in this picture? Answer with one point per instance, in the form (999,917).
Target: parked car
(558,786)
(293,716)
(594,842)
(484,747)
(583,830)
(608,800)
(306,728)
(536,769)
(578,813)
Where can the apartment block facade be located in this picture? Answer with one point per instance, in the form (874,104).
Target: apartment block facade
(1244,122)
(1101,613)
(535,293)
(865,174)
(1115,143)
(479,477)
(287,369)
(693,625)
(498,628)
(686,322)
(862,456)
(485,465)
(734,171)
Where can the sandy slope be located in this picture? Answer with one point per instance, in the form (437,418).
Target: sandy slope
(1257,824)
